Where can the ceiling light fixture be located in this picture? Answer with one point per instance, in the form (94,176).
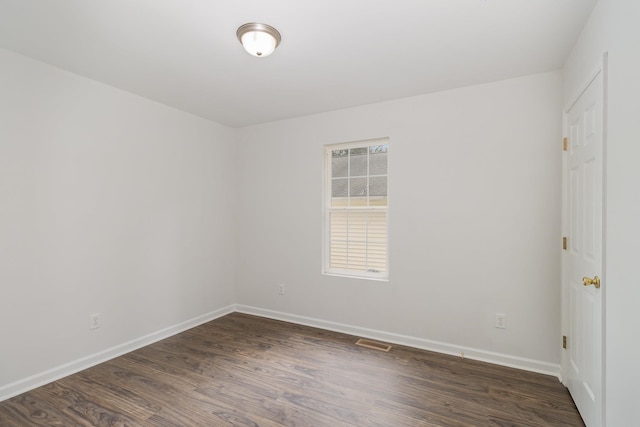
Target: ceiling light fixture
(258,39)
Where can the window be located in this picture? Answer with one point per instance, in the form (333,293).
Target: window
(356,209)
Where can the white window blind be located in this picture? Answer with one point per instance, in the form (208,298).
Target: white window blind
(356,209)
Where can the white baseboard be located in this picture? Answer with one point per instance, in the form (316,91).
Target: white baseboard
(440,347)
(42,378)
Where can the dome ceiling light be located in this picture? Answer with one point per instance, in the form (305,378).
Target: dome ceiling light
(258,39)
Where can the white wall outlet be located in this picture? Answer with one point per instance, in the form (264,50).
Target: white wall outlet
(281,289)
(94,321)
(501,321)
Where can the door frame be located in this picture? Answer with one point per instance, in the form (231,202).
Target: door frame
(600,67)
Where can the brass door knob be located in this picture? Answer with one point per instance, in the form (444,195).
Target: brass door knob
(587,281)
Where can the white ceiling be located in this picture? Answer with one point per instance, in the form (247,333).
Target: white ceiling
(334,53)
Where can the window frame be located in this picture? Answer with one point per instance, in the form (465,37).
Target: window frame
(327,209)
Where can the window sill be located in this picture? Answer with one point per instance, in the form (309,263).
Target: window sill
(355,276)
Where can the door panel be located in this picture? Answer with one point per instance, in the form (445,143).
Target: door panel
(583,223)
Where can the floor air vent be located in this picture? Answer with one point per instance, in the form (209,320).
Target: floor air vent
(373,344)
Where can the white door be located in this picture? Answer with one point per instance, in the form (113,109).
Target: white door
(583,169)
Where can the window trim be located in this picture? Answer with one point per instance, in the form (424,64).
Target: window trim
(327,209)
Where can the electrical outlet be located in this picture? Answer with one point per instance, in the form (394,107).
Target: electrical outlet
(501,321)
(94,321)
(281,289)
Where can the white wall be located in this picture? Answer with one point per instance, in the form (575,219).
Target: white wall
(111,204)
(114,204)
(475,200)
(613,27)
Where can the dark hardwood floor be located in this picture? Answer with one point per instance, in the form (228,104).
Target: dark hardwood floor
(242,370)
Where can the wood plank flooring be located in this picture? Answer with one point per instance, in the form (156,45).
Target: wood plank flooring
(242,370)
